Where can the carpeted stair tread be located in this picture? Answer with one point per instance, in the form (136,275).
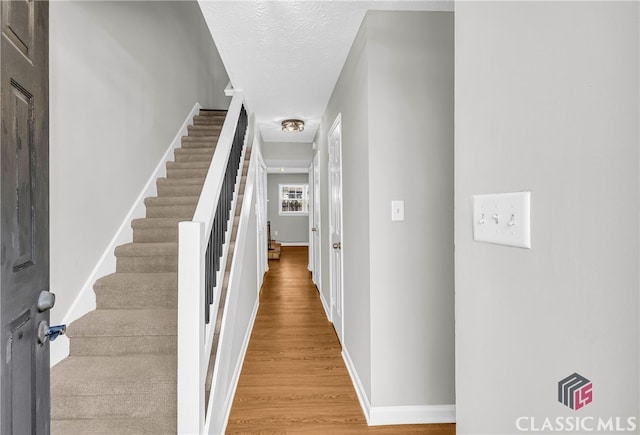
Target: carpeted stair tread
(123,332)
(204,152)
(156,425)
(156,230)
(129,374)
(204,130)
(119,386)
(188,165)
(145,223)
(180,190)
(184,211)
(139,281)
(179,181)
(137,291)
(146,249)
(125,323)
(187,172)
(215,114)
(179,186)
(147,257)
(191,129)
(134,404)
(208,120)
(211,139)
(193,154)
(159,201)
(196,169)
(202,142)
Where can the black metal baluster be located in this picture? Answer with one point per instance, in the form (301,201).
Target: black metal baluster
(214,251)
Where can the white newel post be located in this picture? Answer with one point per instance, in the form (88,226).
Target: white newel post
(191,370)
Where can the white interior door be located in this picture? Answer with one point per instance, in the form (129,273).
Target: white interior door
(335,224)
(315,229)
(310,221)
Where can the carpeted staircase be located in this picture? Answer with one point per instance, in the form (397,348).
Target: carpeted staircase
(120,377)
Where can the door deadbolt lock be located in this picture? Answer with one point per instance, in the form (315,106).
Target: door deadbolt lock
(46,301)
(46,332)
(337,245)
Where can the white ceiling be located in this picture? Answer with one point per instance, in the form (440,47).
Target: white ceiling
(286,56)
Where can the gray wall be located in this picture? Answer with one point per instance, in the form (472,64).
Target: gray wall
(296,151)
(398,276)
(547,99)
(351,98)
(291,229)
(124,76)
(411,78)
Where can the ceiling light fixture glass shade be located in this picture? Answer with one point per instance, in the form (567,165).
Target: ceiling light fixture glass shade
(293,125)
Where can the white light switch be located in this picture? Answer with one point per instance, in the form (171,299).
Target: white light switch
(503,218)
(397,210)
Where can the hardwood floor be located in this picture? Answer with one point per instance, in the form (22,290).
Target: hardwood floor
(294,379)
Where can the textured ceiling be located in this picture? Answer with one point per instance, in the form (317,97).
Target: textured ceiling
(286,56)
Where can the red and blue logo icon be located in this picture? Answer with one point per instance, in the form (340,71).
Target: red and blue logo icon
(575,391)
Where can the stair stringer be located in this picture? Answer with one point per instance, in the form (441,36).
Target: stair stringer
(86,299)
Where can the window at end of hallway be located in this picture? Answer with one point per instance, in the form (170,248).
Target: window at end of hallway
(294,199)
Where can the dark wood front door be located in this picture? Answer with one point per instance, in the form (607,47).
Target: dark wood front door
(24,224)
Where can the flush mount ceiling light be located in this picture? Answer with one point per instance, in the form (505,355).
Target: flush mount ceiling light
(293,125)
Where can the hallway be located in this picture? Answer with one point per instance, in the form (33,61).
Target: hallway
(294,379)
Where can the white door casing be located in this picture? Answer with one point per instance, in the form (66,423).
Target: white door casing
(315,230)
(310,220)
(261,220)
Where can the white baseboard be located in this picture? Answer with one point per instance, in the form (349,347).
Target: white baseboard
(325,305)
(423,414)
(294,243)
(86,299)
(236,373)
(387,415)
(355,380)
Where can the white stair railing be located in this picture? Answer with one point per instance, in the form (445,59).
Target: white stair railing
(202,252)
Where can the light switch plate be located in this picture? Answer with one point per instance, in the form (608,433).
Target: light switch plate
(397,210)
(503,218)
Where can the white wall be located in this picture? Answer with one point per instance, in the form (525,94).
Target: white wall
(398,276)
(123,77)
(291,229)
(547,100)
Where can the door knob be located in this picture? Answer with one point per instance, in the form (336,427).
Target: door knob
(46,332)
(314,229)
(337,245)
